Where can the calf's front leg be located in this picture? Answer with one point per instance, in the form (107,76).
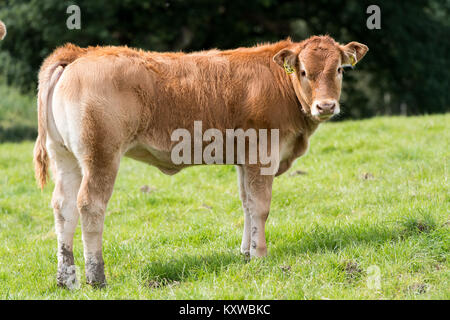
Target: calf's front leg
(246,236)
(258,190)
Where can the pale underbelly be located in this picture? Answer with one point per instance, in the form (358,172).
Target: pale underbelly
(156,158)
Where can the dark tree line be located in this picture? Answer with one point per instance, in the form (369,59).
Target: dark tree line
(405,71)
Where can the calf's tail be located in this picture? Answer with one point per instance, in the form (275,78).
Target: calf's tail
(47,81)
(50,72)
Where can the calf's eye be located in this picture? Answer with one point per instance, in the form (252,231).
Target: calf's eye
(339,70)
(303,73)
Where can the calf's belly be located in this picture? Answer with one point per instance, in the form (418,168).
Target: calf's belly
(156,158)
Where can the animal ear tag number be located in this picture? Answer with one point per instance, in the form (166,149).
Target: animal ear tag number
(288,68)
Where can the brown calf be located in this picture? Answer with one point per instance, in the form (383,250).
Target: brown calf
(101,103)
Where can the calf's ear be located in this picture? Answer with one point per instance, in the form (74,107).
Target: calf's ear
(286,59)
(353,52)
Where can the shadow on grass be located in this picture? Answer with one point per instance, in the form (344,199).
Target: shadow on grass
(317,240)
(323,239)
(189,267)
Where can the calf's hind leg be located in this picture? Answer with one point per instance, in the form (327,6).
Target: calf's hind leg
(67,176)
(95,191)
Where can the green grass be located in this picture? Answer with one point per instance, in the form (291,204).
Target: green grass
(375,194)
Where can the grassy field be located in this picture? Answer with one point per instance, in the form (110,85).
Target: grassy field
(375,197)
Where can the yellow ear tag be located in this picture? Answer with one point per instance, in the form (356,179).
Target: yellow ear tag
(352,60)
(288,68)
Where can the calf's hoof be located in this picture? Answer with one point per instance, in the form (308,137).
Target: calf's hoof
(245,250)
(95,275)
(246,254)
(258,252)
(67,277)
(98,284)
(96,281)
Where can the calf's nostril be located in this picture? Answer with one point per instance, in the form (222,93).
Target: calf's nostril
(326,107)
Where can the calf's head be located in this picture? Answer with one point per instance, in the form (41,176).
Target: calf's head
(316,67)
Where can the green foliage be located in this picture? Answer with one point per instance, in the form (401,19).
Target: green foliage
(405,71)
(18,118)
(375,193)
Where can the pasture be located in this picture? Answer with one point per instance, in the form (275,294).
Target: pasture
(368,193)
